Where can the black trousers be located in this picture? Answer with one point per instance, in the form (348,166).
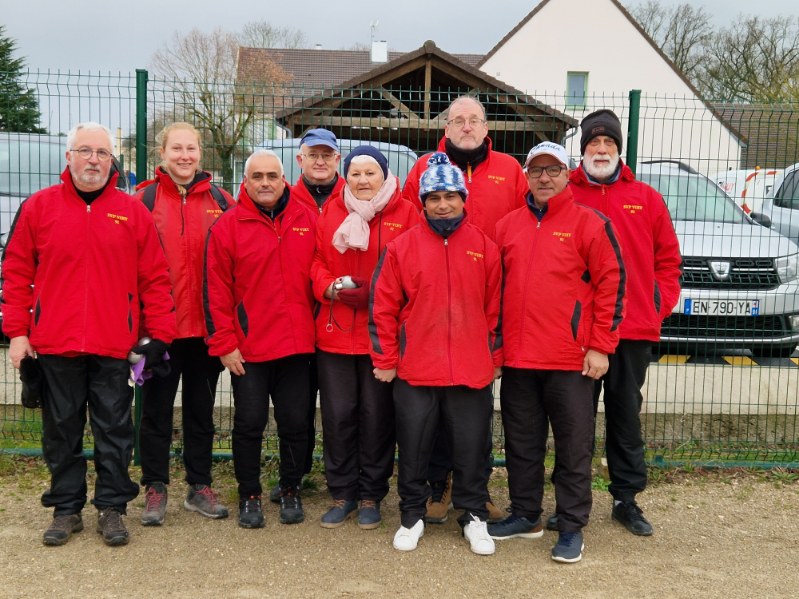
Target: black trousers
(285,380)
(189,360)
(100,383)
(313,391)
(624,444)
(466,414)
(358,427)
(531,400)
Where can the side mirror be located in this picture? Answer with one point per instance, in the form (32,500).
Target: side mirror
(761,219)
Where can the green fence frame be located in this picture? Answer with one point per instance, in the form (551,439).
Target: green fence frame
(725,409)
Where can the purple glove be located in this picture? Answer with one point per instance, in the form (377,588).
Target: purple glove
(355,298)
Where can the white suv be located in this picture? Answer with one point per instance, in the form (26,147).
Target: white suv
(782,204)
(740,287)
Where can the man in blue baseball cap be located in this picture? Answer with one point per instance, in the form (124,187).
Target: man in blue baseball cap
(318,157)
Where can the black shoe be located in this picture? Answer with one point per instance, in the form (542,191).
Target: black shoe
(291,511)
(552,522)
(274,494)
(112,528)
(632,517)
(250,513)
(61,529)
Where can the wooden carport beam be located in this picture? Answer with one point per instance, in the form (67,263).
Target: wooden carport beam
(428,84)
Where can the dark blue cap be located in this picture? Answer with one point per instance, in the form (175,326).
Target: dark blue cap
(320,137)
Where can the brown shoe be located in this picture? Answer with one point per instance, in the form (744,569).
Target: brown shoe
(494,513)
(61,529)
(439,503)
(110,525)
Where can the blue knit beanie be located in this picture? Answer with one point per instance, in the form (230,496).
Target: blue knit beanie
(370,151)
(441,176)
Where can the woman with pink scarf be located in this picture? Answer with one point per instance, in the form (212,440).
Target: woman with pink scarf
(357,409)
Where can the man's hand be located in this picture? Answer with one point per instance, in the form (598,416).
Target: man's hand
(233,362)
(18,348)
(497,372)
(595,364)
(153,352)
(385,376)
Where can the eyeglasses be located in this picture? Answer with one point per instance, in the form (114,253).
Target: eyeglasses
(314,156)
(86,154)
(460,123)
(553,170)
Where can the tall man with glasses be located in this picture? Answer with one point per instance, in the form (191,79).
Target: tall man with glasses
(82,268)
(562,303)
(496,186)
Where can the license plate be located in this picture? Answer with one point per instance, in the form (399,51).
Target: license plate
(710,307)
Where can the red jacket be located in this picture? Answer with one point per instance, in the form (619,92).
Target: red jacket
(182,221)
(651,249)
(434,310)
(78,278)
(497,186)
(300,192)
(563,287)
(257,287)
(349,334)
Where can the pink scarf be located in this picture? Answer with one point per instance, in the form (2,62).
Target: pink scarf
(353,232)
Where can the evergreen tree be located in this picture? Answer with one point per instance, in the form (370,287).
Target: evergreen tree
(19,108)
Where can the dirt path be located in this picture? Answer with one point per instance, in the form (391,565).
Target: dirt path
(729,535)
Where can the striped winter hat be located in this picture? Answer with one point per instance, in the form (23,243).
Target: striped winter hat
(441,175)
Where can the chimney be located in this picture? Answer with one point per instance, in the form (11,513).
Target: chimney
(379,52)
(317,47)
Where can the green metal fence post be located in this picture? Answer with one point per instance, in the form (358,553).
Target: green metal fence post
(141,172)
(632,129)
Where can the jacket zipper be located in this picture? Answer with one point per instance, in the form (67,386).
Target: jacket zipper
(449,311)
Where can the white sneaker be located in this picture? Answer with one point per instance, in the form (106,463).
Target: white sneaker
(476,532)
(406,539)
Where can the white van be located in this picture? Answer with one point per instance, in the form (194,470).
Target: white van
(748,187)
(782,204)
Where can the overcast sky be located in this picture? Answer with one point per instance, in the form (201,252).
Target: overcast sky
(122,36)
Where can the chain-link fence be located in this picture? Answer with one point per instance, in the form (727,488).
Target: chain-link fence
(723,386)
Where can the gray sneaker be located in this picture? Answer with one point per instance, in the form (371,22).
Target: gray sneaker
(569,548)
(110,525)
(203,499)
(154,505)
(61,529)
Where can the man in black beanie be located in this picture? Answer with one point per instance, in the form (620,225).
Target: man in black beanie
(653,265)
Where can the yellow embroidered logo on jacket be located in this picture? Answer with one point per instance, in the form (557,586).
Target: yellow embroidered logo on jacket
(392,226)
(301,230)
(117,218)
(217,212)
(497,179)
(561,235)
(633,208)
(475,255)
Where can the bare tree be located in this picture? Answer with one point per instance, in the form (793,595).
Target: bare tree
(682,32)
(262,34)
(199,69)
(754,60)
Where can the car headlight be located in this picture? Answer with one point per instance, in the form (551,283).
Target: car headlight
(787,267)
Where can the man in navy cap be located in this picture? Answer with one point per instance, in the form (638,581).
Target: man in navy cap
(318,158)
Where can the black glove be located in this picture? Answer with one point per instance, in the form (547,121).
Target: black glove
(153,351)
(355,298)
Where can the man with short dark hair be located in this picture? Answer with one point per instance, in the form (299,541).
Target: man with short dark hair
(259,316)
(496,186)
(654,268)
(83,268)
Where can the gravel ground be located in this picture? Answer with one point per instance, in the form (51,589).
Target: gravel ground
(725,534)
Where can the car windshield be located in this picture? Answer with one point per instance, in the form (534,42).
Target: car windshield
(693,197)
(788,194)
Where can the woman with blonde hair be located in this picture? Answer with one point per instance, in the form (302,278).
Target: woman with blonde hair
(184,203)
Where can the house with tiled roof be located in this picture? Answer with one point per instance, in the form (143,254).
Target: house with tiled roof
(579,56)
(400,100)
